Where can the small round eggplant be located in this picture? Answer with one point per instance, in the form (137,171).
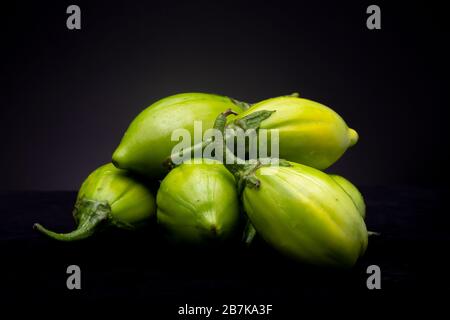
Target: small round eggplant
(108,197)
(198,203)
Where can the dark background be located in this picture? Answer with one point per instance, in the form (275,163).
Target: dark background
(68,96)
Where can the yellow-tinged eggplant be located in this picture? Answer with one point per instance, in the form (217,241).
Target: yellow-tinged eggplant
(198,203)
(147,142)
(309,133)
(304,213)
(353,192)
(108,197)
(346,185)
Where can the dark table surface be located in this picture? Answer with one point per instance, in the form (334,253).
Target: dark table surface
(140,271)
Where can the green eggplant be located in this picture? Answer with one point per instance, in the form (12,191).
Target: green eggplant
(108,197)
(198,203)
(309,132)
(147,142)
(353,192)
(349,188)
(303,212)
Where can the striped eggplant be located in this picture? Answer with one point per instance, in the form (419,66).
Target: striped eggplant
(108,197)
(309,132)
(353,192)
(304,213)
(198,203)
(349,188)
(147,141)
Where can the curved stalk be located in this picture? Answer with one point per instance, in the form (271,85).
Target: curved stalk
(219,124)
(89,214)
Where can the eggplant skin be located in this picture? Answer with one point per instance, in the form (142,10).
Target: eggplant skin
(305,214)
(353,192)
(310,133)
(198,203)
(147,141)
(131,202)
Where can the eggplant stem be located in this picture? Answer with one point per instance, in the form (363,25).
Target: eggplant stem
(82,232)
(89,214)
(174,159)
(243,105)
(243,171)
(249,233)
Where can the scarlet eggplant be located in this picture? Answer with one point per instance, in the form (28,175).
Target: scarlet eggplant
(309,132)
(108,197)
(353,192)
(147,142)
(198,202)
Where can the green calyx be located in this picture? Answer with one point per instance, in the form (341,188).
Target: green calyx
(253,120)
(249,233)
(241,104)
(89,216)
(221,120)
(245,174)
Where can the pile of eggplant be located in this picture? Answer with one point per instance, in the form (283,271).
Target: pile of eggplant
(287,200)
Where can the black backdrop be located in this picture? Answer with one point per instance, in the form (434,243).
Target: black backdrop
(68,96)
